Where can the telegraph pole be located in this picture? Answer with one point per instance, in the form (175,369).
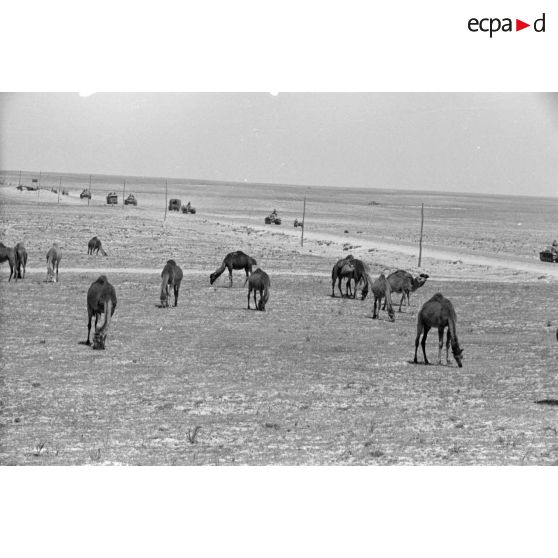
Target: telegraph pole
(123,192)
(166,195)
(59,188)
(303,222)
(89,196)
(421,227)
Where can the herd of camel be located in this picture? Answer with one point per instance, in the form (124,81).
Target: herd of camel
(438,312)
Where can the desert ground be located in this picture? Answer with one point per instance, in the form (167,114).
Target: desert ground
(311,381)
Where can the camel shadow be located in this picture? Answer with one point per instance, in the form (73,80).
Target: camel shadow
(547,402)
(84,343)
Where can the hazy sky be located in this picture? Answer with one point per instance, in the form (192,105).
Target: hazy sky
(494,143)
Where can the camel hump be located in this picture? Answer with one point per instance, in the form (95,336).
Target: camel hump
(102,280)
(171,262)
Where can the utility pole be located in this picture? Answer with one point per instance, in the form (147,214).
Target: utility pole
(19,178)
(421,227)
(303,222)
(123,192)
(89,196)
(59,188)
(166,195)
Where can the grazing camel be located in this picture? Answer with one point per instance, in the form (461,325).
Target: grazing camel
(353,270)
(95,245)
(234,260)
(170,276)
(101,299)
(403,282)
(20,260)
(259,281)
(8,254)
(343,268)
(438,312)
(53,257)
(381,289)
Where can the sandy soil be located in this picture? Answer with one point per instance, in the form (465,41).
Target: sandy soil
(313,380)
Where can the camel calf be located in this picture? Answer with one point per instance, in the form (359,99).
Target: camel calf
(438,312)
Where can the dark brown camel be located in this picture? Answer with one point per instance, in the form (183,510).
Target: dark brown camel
(234,260)
(259,281)
(343,269)
(438,312)
(353,270)
(20,260)
(8,254)
(170,276)
(403,282)
(101,299)
(381,289)
(95,245)
(53,257)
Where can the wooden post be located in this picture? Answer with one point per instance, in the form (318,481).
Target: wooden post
(421,227)
(123,193)
(89,196)
(303,222)
(166,195)
(59,188)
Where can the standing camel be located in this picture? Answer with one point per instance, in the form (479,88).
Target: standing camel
(353,270)
(342,269)
(381,289)
(259,281)
(53,257)
(438,312)
(234,260)
(94,245)
(101,299)
(8,254)
(20,260)
(403,282)
(170,276)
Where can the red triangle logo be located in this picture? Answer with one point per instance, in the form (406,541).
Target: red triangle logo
(519,25)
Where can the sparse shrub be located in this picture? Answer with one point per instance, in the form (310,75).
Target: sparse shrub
(192,434)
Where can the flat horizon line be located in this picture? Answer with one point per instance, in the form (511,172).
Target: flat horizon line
(215,182)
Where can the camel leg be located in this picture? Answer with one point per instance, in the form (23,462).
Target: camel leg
(423,344)
(90,315)
(57,272)
(440,343)
(230,277)
(255,301)
(417,339)
(249,293)
(374,314)
(448,341)
(247,277)
(176,287)
(401,301)
(339,286)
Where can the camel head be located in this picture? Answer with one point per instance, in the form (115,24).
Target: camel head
(261,305)
(212,278)
(391,314)
(164,299)
(420,280)
(99,340)
(458,355)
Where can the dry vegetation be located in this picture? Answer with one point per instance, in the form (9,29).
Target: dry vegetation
(313,380)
